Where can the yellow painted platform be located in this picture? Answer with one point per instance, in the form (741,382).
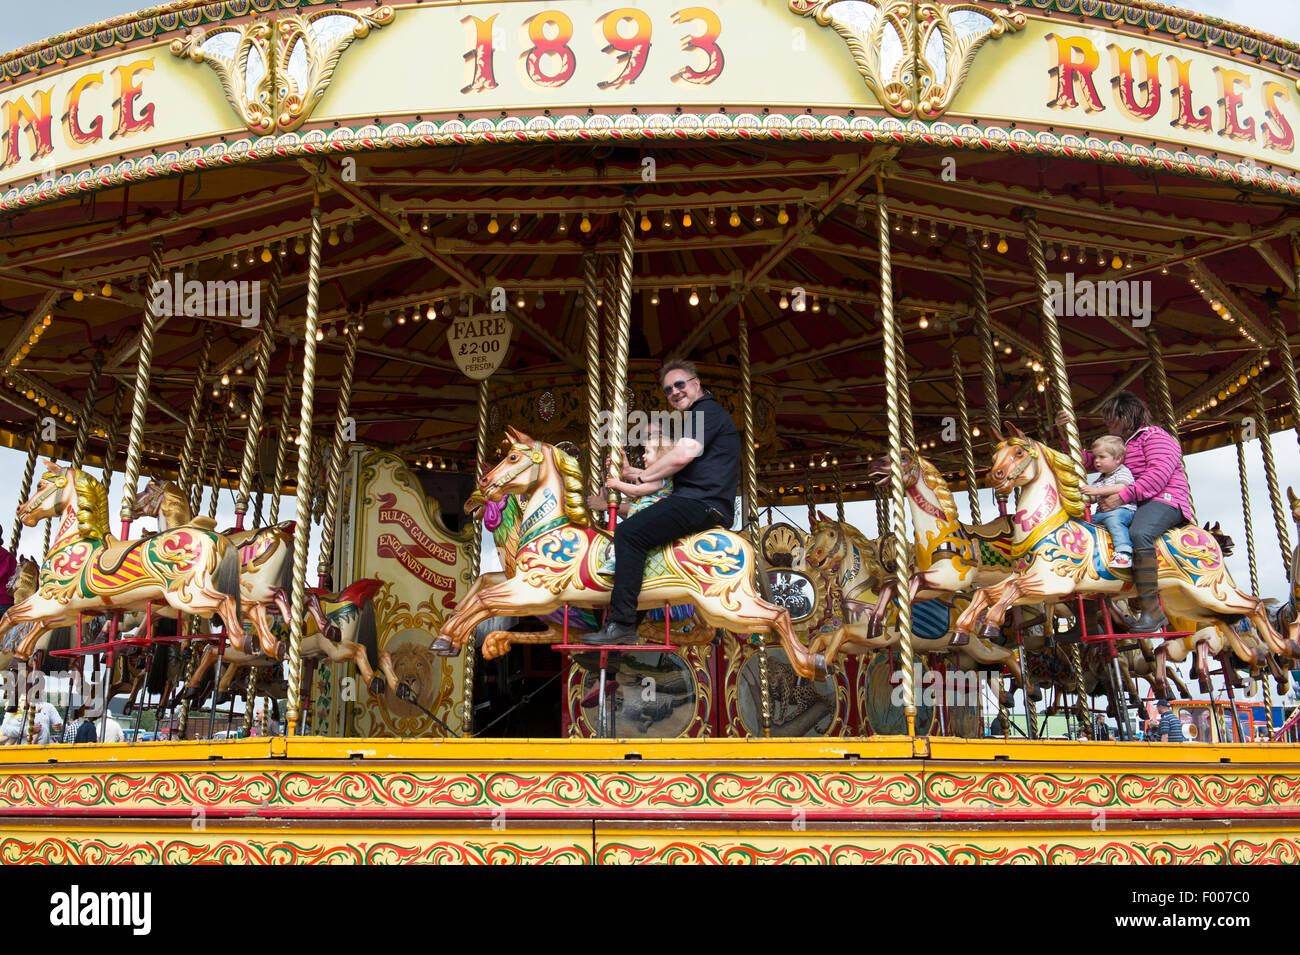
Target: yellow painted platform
(707,801)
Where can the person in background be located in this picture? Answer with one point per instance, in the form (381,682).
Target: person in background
(8,573)
(112,730)
(1159,490)
(1169,730)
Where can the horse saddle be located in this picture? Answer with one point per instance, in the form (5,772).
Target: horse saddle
(113,554)
(999,529)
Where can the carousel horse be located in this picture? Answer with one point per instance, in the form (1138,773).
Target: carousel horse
(849,560)
(192,570)
(950,556)
(1058,555)
(559,557)
(351,612)
(265,555)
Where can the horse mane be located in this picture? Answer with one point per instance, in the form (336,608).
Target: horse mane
(575,497)
(92,507)
(1067,480)
(934,480)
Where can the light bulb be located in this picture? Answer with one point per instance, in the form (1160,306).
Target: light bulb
(225,379)
(349,233)
(78,295)
(712,219)
(817,305)
(493,226)
(758,216)
(668,221)
(645,223)
(424,223)
(563,227)
(695,297)
(585,225)
(320,335)
(734,219)
(471,225)
(1117,262)
(266,253)
(687,221)
(540,303)
(924,322)
(334,236)
(782,217)
(299,245)
(785,302)
(106,289)
(654,297)
(984,242)
(514,223)
(431,312)
(1002,245)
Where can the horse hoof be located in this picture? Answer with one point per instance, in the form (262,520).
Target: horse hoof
(1292,649)
(444,647)
(959,639)
(820,673)
(990,631)
(378,686)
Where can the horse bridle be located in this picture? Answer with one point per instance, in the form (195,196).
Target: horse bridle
(56,484)
(533,458)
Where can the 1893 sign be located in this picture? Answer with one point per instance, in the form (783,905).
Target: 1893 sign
(479,343)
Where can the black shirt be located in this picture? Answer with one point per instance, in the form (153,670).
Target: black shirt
(712,477)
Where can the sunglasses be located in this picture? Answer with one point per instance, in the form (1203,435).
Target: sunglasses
(678,385)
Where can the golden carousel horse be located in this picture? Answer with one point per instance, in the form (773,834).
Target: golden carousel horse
(350,613)
(189,569)
(1057,555)
(265,554)
(560,553)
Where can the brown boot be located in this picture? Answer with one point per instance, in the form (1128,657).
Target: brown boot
(1146,578)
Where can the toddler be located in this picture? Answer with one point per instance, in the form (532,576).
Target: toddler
(642,495)
(1108,456)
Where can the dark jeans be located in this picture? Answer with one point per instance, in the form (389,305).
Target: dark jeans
(658,524)
(1150,521)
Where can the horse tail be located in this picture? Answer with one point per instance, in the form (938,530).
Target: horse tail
(228,576)
(60,639)
(368,632)
(1226,543)
(285,582)
(156,680)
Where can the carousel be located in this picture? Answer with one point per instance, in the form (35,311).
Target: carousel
(394,281)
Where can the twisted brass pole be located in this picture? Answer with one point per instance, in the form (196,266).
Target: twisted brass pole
(621,341)
(250,698)
(1246,516)
(325,565)
(293,663)
(475,554)
(882,515)
(1052,339)
(984,333)
(188,457)
(967,441)
(219,464)
(201,469)
(87,409)
(257,401)
(1164,402)
(749,488)
(1270,471)
(282,442)
(904,392)
(1282,345)
(25,489)
(591,350)
(839,493)
(110,439)
(894,385)
(139,400)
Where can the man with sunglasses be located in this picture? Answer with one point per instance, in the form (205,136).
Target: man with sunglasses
(705,467)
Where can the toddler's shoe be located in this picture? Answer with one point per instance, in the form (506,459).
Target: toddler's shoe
(1121,562)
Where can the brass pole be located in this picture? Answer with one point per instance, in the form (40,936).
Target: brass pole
(210,440)
(749,490)
(591,349)
(1052,339)
(257,401)
(25,489)
(475,555)
(1164,403)
(984,333)
(219,465)
(894,385)
(325,565)
(1247,519)
(621,341)
(1282,344)
(967,441)
(110,440)
(905,393)
(1270,471)
(139,403)
(87,409)
(293,663)
(188,458)
(250,698)
(282,442)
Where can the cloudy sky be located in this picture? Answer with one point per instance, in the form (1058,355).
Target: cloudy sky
(1213,474)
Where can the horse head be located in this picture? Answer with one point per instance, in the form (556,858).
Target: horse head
(518,472)
(149,500)
(826,546)
(878,469)
(23,583)
(1017,461)
(48,498)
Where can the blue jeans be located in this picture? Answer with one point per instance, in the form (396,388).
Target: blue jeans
(1117,522)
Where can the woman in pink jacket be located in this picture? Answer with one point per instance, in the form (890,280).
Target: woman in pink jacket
(1159,490)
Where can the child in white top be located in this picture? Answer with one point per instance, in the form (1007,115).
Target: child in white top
(1108,455)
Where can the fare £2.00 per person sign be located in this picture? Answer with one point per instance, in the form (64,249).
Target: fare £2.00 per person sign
(479,343)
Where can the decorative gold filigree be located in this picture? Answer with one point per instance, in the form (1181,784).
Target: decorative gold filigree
(913,56)
(274,72)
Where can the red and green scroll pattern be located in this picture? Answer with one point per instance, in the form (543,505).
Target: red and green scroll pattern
(672,791)
(812,851)
(278,850)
